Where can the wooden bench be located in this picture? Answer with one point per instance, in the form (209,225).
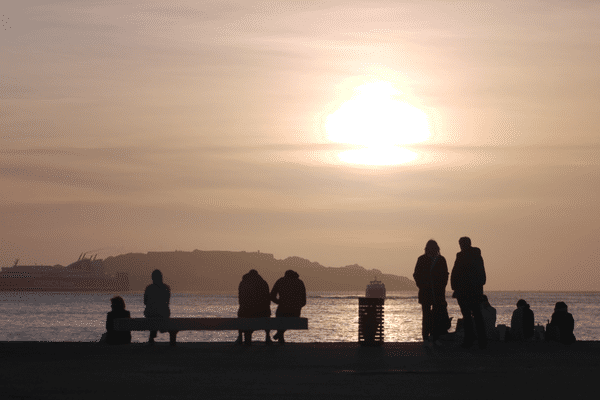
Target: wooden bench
(209,324)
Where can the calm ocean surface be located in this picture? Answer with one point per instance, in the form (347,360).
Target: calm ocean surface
(333,317)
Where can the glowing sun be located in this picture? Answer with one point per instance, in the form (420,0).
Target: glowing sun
(375,118)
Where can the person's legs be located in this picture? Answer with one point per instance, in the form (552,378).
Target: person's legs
(426,327)
(248,337)
(279,336)
(284,313)
(152,336)
(173,338)
(239,338)
(437,321)
(465,309)
(268,337)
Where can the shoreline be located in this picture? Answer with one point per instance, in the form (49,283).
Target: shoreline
(70,370)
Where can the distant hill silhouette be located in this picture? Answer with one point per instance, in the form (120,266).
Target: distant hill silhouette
(221,271)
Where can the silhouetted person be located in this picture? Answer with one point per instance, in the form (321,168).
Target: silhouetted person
(489,318)
(431,277)
(255,302)
(117,305)
(156,299)
(290,294)
(562,325)
(522,322)
(467,280)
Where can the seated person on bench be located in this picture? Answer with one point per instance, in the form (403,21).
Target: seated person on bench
(156,300)
(255,302)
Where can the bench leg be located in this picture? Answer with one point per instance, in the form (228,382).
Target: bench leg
(248,337)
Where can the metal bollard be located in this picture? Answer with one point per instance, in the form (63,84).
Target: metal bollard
(370,321)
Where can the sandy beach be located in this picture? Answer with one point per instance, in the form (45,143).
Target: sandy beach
(32,370)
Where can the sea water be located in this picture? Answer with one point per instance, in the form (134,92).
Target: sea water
(333,317)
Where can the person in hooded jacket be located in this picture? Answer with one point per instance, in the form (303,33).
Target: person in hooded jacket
(431,277)
(156,299)
(522,322)
(117,305)
(289,293)
(563,323)
(489,319)
(255,302)
(467,281)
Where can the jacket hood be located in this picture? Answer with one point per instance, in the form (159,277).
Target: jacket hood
(252,275)
(291,274)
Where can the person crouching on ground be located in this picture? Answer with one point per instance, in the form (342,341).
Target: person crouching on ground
(489,319)
(522,322)
(156,299)
(562,325)
(255,302)
(289,293)
(117,305)
(431,277)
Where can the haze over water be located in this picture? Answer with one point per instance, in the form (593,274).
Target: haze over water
(333,317)
(341,132)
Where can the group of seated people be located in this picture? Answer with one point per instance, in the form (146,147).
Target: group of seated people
(559,329)
(254,297)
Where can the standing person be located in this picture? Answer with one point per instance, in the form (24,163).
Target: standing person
(255,302)
(290,294)
(467,280)
(431,277)
(156,299)
(562,324)
(117,305)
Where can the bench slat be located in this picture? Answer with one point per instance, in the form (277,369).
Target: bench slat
(208,324)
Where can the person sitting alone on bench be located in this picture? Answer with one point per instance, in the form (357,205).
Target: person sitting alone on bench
(156,299)
(255,302)
(117,304)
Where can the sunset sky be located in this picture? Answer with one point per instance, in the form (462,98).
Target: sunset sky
(135,126)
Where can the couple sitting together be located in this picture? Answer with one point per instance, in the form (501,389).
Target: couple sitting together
(255,300)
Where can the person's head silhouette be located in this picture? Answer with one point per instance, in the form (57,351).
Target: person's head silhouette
(117,303)
(561,306)
(157,277)
(291,274)
(432,249)
(464,243)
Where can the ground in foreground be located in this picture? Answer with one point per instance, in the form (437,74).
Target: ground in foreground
(31,370)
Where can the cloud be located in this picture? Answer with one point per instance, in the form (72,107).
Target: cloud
(13,88)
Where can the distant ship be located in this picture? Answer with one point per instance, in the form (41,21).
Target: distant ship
(375,289)
(84,275)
